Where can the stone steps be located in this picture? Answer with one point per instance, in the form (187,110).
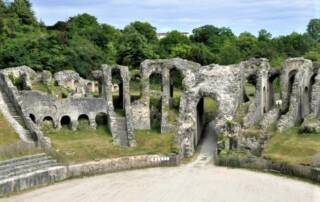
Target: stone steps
(24,165)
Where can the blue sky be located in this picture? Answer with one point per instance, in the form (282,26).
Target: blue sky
(278,16)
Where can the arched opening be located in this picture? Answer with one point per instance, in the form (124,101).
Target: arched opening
(65,122)
(47,123)
(102,122)
(33,118)
(83,121)
(117,91)
(135,87)
(249,88)
(274,88)
(176,89)
(155,100)
(207,111)
(311,86)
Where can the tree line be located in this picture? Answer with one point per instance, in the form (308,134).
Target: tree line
(82,43)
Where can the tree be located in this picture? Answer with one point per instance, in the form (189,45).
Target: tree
(229,53)
(201,54)
(247,43)
(172,40)
(264,35)
(22,8)
(313,29)
(3,7)
(146,29)
(133,48)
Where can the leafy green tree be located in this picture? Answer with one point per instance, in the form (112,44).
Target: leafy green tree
(3,7)
(229,53)
(172,40)
(248,45)
(147,30)
(201,54)
(264,35)
(133,48)
(313,29)
(22,8)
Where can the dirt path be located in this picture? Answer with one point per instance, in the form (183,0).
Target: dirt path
(198,181)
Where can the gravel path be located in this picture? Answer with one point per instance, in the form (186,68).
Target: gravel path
(198,181)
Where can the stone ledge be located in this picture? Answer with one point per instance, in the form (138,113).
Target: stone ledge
(59,173)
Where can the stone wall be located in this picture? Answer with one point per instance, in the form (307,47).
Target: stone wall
(59,173)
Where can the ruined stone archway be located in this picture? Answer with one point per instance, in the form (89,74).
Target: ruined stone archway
(117,90)
(207,110)
(102,122)
(65,122)
(83,121)
(155,104)
(48,122)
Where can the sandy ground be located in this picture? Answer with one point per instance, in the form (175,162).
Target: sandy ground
(197,181)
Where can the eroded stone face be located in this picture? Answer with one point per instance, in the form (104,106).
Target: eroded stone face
(298,98)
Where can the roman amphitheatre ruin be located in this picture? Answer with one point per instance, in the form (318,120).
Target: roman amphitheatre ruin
(295,103)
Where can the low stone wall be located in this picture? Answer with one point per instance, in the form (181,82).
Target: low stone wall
(30,180)
(59,173)
(123,163)
(264,165)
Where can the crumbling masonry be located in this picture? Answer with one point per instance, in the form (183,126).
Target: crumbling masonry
(297,100)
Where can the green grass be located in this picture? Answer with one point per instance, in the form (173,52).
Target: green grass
(292,148)
(211,108)
(7,134)
(87,144)
(50,89)
(250,90)
(241,112)
(10,144)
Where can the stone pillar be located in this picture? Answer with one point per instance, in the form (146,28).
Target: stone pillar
(74,125)
(93,123)
(165,107)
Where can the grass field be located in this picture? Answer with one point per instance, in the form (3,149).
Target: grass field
(293,148)
(87,144)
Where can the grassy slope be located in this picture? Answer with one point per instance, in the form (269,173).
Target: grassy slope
(88,144)
(293,148)
(10,144)
(7,134)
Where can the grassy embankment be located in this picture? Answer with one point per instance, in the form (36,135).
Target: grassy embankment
(10,144)
(293,147)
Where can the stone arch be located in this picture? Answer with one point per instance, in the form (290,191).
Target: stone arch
(48,121)
(291,79)
(83,119)
(156,99)
(249,88)
(33,118)
(135,87)
(117,94)
(274,88)
(207,110)
(65,121)
(176,86)
(102,121)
